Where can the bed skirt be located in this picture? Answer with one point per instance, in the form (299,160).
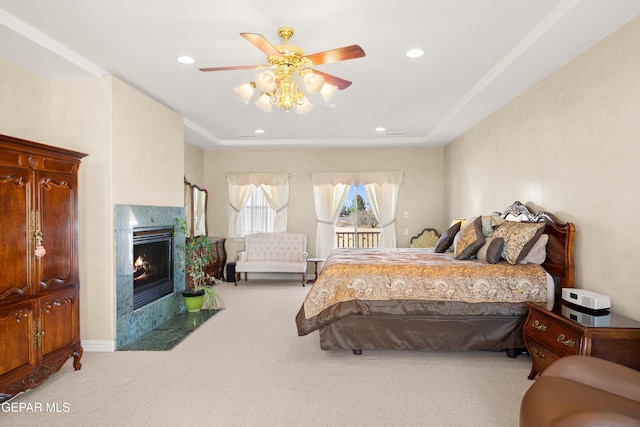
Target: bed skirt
(449,333)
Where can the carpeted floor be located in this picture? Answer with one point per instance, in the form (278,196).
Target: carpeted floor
(246,366)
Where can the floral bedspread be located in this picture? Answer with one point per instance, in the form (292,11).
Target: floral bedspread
(420,274)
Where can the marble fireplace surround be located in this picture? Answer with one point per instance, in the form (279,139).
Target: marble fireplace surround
(131,324)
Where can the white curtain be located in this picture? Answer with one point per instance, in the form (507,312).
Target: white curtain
(330,192)
(275,187)
(328,199)
(383,199)
(278,198)
(382,190)
(238,196)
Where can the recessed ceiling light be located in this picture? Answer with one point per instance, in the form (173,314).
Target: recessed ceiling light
(415,53)
(186,60)
(380,129)
(259,131)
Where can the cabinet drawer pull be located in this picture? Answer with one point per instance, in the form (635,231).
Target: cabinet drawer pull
(568,342)
(537,353)
(539,326)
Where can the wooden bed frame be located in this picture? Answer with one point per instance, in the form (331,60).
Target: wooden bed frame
(496,333)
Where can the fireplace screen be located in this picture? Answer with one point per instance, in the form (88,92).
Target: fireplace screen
(152,265)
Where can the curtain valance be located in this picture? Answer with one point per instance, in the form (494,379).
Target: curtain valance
(356,178)
(258,179)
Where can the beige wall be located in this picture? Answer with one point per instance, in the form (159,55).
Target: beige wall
(81,120)
(194,164)
(24,103)
(421,194)
(569,145)
(148,150)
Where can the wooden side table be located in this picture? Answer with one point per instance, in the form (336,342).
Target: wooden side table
(315,261)
(565,330)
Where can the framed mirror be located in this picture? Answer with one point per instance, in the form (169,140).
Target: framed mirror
(195,206)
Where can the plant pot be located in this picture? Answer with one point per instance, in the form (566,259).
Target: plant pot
(193,300)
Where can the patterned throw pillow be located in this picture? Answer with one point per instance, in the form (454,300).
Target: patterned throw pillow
(470,240)
(519,238)
(446,240)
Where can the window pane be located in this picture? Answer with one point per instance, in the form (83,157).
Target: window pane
(257,216)
(357,226)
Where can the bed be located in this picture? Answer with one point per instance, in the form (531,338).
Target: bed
(419,299)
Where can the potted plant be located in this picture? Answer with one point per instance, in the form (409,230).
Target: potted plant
(198,253)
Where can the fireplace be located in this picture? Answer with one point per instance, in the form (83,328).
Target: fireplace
(152,264)
(144,221)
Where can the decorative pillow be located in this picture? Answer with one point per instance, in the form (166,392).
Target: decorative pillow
(490,223)
(445,241)
(538,252)
(519,238)
(470,240)
(491,251)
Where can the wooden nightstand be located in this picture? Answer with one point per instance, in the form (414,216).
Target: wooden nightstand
(552,334)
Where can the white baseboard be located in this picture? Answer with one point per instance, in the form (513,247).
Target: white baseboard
(98,346)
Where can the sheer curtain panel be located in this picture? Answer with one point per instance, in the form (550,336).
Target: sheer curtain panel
(328,201)
(275,187)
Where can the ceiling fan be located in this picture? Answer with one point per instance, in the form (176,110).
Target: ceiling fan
(288,68)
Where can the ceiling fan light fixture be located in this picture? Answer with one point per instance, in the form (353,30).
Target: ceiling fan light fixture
(313,83)
(305,106)
(327,91)
(266,81)
(245,91)
(264,102)
(289,77)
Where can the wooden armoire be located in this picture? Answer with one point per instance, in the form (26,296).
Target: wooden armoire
(39,282)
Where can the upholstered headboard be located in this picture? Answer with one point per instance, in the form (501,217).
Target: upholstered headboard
(427,238)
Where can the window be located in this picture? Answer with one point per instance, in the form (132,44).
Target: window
(357,226)
(258,202)
(330,191)
(257,216)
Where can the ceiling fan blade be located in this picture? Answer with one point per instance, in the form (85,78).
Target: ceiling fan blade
(335,55)
(237,67)
(333,80)
(261,43)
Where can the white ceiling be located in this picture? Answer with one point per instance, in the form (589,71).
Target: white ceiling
(479,55)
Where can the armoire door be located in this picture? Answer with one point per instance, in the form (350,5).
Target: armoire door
(15,250)
(58,321)
(17,338)
(55,212)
